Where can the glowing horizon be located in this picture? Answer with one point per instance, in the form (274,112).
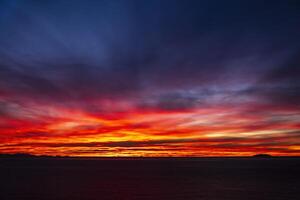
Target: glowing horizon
(198,132)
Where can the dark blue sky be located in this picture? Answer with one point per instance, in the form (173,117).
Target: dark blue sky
(112,47)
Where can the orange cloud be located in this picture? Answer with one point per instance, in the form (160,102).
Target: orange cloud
(216,131)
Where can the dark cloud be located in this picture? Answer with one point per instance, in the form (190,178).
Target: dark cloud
(171,102)
(286,73)
(129,143)
(34,135)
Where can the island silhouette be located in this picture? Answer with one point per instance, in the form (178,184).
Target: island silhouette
(263,155)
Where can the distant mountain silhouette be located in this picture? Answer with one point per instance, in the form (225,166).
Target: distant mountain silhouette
(262,155)
(17,155)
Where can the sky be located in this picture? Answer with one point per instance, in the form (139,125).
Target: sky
(150,78)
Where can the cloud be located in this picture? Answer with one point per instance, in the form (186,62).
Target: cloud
(171,102)
(147,70)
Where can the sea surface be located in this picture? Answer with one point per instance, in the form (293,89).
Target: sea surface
(155,179)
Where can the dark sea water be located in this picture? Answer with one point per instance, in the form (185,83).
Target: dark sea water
(157,179)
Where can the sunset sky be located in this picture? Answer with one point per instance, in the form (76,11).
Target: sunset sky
(150,78)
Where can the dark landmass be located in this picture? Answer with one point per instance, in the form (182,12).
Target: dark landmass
(263,156)
(24,155)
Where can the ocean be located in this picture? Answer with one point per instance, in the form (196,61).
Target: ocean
(150,178)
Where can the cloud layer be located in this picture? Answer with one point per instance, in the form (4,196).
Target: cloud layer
(149,78)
